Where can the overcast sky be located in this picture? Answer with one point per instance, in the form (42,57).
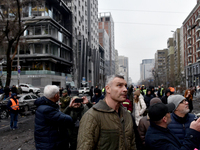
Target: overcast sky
(143,26)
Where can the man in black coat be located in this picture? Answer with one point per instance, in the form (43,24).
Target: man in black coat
(159,137)
(14,89)
(50,124)
(7,91)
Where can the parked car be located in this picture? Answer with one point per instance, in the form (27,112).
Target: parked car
(26,103)
(74,91)
(29,88)
(84,90)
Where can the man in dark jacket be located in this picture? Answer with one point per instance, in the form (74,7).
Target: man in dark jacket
(51,124)
(13,107)
(98,96)
(167,94)
(159,137)
(144,123)
(14,89)
(91,93)
(148,97)
(76,110)
(7,91)
(181,118)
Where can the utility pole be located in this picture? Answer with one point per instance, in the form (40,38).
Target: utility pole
(18,66)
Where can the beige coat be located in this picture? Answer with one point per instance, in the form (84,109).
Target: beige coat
(139,109)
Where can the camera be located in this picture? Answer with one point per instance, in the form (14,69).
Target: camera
(78,100)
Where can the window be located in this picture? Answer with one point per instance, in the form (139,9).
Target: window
(38,48)
(34,97)
(37,30)
(27,97)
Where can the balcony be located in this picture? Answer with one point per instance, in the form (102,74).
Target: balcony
(198,49)
(189,62)
(188,28)
(197,28)
(189,37)
(198,59)
(197,18)
(189,54)
(189,46)
(198,39)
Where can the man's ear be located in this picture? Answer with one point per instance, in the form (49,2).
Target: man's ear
(107,89)
(164,119)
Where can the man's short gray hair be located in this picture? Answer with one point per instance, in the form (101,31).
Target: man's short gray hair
(111,78)
(50,91)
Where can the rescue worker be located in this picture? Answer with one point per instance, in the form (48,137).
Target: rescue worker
(64,100)
(160,91)
(13,107)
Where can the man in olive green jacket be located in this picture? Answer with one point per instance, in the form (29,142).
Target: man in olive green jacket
(107,125)
(64,100)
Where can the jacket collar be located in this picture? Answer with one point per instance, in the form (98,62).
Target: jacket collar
(159,127)
(102,106)
(180,119)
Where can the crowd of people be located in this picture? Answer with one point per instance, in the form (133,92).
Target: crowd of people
(115,117)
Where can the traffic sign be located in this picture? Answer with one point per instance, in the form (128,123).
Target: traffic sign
(19,67)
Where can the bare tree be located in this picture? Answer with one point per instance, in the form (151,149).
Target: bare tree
(11,29)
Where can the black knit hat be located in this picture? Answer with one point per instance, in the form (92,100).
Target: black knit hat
(159,110)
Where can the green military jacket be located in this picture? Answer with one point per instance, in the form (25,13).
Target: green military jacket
(101,128)
(65,100)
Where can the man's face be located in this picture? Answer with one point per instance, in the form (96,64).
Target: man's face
(117,89)
(57,97)
(183,107)
(64,94)
(76,105)
(15,97)
(168,94)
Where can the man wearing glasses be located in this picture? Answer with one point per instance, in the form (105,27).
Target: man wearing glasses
(181,118)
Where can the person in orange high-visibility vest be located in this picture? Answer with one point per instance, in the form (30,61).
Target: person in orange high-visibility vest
(13,107)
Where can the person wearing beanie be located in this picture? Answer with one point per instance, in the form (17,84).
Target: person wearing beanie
(13,107)
(139,106)
(144,123)
(181,118)
(160,137)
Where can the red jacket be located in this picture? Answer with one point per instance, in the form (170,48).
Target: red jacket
(127,104)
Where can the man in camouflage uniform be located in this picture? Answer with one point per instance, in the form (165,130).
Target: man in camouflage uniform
(64,100)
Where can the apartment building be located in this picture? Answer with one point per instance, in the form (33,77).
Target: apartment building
(146,68)
(116,62)
(104,42)
(170,62)
(160,66)
(106,22)
(45,49)
(123,66)
(101,75)
(85,40)
(191,38)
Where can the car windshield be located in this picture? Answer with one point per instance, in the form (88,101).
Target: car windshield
(30,85)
